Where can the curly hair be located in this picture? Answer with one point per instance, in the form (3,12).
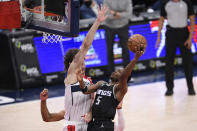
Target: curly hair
(68,58)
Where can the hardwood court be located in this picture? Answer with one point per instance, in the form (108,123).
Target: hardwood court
(145,109)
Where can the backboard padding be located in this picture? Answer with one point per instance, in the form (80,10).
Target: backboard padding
(40,20)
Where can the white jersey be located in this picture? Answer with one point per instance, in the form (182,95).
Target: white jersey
(77,104)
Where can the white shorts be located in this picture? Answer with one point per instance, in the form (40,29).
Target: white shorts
(75,126)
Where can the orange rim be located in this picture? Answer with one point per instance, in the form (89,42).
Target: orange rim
(39,12)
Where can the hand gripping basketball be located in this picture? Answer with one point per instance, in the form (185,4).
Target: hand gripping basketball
(136,40)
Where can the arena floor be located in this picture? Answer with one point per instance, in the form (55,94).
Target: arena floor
(145,108)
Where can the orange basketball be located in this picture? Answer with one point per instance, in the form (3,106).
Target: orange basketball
(135,40)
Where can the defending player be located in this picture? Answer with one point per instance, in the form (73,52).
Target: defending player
(108,95)
(76,103)
(50,117)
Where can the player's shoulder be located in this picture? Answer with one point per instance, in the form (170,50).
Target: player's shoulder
(107,85)
(102,82)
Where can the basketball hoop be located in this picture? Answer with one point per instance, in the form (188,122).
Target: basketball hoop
(50,37)
(54,19)
(51,18)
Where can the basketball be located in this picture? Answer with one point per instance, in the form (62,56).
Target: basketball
(135,40)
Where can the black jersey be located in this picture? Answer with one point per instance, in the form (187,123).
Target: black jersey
(105,102)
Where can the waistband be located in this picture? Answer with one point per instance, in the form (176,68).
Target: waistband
(101,119)
(74,122)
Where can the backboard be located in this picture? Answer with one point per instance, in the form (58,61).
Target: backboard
(59,17)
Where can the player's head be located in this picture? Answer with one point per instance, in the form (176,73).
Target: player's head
(68,58)
(115,76)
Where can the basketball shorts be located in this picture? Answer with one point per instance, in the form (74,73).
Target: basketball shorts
(101,126)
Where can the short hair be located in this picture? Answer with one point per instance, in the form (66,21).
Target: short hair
(68,58)
(113,79)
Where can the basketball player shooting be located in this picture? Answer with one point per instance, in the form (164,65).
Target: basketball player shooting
(109,95)
(76,103)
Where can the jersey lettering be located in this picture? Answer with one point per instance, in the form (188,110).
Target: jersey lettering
(104,93)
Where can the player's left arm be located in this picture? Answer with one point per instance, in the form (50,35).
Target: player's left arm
(122,87)
(46,115)
(87,42)
(91,88)
(51,117)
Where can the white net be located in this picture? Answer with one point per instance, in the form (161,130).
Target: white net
(44,18)
(50,37)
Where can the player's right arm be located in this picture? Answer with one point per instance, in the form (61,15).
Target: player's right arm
(46,115)
(93,88)
(80,56)
(87,89)
(122,87)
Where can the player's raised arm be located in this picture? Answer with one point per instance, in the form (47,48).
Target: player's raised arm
(46,115)
(121,87)
(79,58)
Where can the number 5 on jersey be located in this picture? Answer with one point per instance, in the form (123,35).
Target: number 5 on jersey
(98,100)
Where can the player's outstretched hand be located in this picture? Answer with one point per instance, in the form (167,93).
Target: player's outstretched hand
(44,95)
(102,13)
(140,50)
(87,117)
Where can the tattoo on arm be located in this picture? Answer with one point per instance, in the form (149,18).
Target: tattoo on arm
(91,88)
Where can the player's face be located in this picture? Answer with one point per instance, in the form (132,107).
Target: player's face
(118,72)
(116,75)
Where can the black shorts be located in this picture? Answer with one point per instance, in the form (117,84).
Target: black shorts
(101,125)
